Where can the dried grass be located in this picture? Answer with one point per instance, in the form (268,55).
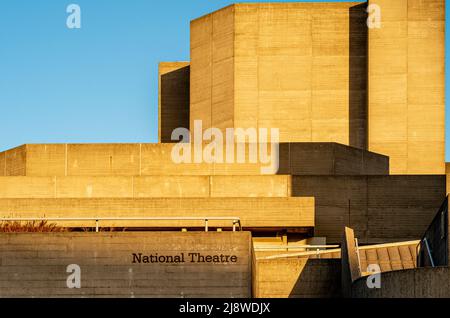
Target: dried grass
(30,227)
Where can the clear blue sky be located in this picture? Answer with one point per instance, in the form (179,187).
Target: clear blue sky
(96,84)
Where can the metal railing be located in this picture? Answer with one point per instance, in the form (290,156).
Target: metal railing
(309,250)
(236,222)
(430,256)
(294,247)
(433,248)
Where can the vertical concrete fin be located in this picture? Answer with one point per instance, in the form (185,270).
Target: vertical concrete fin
(350,263)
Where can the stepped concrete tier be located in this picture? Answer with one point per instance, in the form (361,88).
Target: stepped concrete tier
(126,265)
(156,159)
(255,213)
(145,187)
(381,209)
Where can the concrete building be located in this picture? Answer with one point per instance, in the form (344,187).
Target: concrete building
(361,115)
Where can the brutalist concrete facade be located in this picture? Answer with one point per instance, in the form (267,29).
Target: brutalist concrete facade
(361,117)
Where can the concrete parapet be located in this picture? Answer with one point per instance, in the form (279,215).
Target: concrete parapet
(156,159)
(35,265)
(272,213)
(412,283)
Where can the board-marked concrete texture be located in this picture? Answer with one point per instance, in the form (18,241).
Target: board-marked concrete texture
(272,213)
(412,283)
(156,159)
(35,265)
(381,209)
(407,85)
(297,278)
(299,67)
(145,187)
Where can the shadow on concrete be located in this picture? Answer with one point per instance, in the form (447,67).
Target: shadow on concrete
(175,97)
(320,278)
(358,74)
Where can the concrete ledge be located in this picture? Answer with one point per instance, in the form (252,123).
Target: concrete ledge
(144,187)
(254,212)
(155,159)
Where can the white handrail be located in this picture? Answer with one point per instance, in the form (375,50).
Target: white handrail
(429,251)
(299,254)
(236,221)
(293,247)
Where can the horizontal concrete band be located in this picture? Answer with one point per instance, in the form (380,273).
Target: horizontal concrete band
(144,187)
(253,212)
(379,208)
(156,159)
(35,265)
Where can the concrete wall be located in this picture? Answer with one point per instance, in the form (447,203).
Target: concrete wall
(413,283)
(276,66)
(173,101)
(330,159)
(245,74)
(145,187)
(297,278)
(271,213)
(212,73)
(2,163)
(380,209)
(109,159)
(156,159)
(34,265)
(15,161)
(407,85)
(47,160)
